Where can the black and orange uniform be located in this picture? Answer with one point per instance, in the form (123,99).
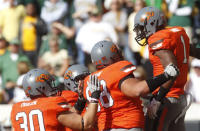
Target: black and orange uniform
(175,40)
(116,110)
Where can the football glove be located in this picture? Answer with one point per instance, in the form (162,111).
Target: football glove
(171,71)
(153,108)
(94,87)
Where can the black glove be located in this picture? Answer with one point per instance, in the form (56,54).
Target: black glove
(80,103)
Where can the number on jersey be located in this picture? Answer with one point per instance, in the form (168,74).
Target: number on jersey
(183,42)
(24,125)
(105,97)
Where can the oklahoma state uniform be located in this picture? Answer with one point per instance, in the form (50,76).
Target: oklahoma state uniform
(39,114)
(70,96)
(176,40)
(115,109)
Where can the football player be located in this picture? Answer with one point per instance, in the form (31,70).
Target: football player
(120,105)
(48,112)
(166,45)
(71,92)
(72,76)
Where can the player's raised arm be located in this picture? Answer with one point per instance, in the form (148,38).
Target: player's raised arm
(133,87)
(166,57)
(78,122)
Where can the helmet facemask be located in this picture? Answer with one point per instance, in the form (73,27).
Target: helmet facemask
(53,90)
(141,32)
(148,21)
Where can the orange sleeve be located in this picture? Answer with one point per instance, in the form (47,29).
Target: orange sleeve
(70,96)
(160,41)
(60,105)
(119,71)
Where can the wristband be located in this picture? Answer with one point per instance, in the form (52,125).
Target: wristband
(156,81)
(82,122)
(93,100)
(80,104)
(161,93)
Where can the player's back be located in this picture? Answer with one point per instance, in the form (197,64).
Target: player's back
(39,114)
(116,110)
(176,40)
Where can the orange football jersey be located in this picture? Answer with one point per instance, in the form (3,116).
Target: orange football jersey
(70,96)
(176,40)
(38,114)
(115,109)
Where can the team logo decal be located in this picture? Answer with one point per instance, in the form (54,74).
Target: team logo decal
(42,78)
(68,75)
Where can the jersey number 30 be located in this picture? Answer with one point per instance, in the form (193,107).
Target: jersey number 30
(24,125)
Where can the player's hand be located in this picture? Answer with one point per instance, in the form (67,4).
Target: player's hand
(94,86)
(171,71)
(152,108)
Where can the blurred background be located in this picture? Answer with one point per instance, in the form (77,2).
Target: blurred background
(54,34)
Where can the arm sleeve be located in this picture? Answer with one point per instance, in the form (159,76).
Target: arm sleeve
(61,105)
(160,42)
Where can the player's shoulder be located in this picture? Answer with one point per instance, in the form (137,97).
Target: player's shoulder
(69,94)
(53,99)
(121,65)
(176,29)
(160,35)
(54,103)
(118,69)
(21,104)
(165,36)
(16,106)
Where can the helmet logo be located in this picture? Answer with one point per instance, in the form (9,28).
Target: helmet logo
(68,75)
(42,78)
(114,48)
(147,16)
